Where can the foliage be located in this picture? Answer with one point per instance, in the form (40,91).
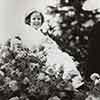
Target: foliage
(24,75)
(70,26)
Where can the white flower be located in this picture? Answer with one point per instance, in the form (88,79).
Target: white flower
(88,23)
(13,85)
(98,16)
(7,80)
(41,76)
(97,82)
(66,1)
(47,78)
(5,66)
(90,5)
(95,76)
(33,65)
(1,61)
(71,13)
(45,27)
(4,54)
(65,8)
(14,98)
(74,22)
(91,97)
(77,82)
(51,71)
(26,80)
(53,3)
(1,73)
(54,98)
(57,31)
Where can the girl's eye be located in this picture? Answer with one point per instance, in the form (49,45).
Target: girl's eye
(34,18)
(38,18)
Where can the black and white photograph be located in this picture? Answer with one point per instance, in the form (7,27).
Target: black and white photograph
(49,49)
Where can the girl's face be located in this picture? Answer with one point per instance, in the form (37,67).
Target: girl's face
(36,20)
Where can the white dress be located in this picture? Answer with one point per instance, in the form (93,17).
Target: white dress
(55,57)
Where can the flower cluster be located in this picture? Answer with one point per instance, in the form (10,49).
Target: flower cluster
(26,74)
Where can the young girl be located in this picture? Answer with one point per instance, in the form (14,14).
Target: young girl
(55,58)
(35,19)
